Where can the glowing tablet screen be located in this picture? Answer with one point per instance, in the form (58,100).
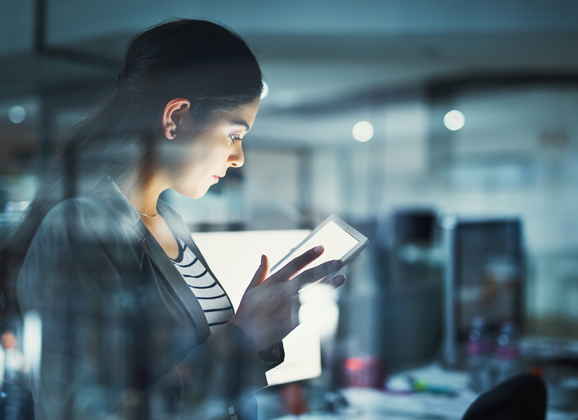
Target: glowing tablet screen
(336,242)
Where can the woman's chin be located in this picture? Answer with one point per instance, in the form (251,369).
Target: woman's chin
(192,193)
(198,193)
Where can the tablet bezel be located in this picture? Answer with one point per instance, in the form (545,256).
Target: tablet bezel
(362,242)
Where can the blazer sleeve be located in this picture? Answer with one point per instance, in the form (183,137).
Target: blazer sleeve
(110,346)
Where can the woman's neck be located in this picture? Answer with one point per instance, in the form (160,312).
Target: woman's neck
(143,195)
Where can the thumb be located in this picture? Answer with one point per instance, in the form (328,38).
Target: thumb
(261,273)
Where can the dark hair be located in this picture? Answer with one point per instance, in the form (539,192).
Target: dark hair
(198,60)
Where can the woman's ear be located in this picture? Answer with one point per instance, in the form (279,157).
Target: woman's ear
(172,116)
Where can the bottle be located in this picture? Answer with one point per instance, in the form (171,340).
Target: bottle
(507,355)
(478,356)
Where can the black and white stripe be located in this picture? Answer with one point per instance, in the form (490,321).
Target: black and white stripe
(211,296)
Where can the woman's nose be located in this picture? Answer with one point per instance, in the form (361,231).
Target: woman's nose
(237,158)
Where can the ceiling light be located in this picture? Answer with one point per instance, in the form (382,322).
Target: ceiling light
(362,131)
(17,114)
(454,120)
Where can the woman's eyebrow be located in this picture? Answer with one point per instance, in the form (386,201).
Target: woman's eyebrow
(242,124)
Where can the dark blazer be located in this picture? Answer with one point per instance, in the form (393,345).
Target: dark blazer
(122,335)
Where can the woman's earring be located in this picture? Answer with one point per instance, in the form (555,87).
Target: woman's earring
(173,133)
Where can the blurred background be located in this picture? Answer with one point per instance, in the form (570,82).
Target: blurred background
(445,131)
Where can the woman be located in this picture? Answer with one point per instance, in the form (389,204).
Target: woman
(134,323)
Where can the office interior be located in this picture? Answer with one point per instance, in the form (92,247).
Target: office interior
(412,121)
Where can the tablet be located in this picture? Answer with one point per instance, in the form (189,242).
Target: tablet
(340,242)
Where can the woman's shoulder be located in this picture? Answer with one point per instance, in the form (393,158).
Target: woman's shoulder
(78,206)
(86,217)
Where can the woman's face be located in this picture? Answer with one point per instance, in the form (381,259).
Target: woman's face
(202,158)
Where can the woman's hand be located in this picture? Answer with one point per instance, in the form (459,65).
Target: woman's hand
(269,308)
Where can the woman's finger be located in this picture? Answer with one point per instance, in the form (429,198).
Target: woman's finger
(314,274)
(261,273)
(295,307)
(335,281)
(297,264)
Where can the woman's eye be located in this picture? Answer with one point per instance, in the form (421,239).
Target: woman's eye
(235,138)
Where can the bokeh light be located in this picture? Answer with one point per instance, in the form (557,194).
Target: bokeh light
(265,90)
(17,114)
(363,131)
(454,120)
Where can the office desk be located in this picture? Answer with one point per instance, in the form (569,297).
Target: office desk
(371,404)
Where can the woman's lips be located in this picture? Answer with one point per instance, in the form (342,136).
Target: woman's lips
(216,178)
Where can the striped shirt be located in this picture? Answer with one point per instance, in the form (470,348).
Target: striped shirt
(211,296)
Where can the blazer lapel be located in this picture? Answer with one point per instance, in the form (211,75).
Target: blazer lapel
(181,231)
(177,283)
